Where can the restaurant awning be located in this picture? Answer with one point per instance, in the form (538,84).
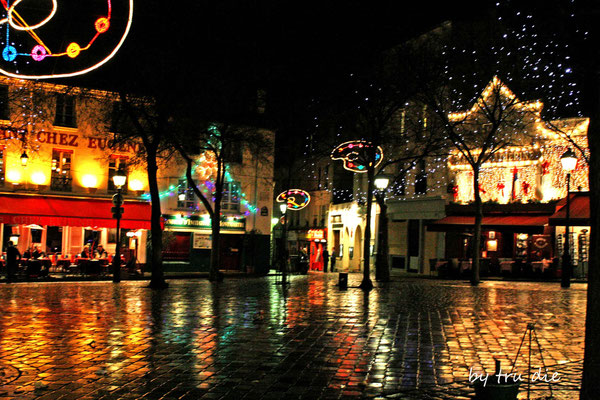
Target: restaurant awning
(579,211)
(71,211)
(517,223)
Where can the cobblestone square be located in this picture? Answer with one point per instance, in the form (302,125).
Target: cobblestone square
(249,338)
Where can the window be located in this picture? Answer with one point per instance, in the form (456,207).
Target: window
(398,186)
(54,239)
(60,178)
(117,117)
(421,179)
(1,167)
(231,197)
(4,111)
(185,196)
(65,111)
(233,153)
(413,237)
(114,165)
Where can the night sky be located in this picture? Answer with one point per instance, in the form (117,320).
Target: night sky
(288,47)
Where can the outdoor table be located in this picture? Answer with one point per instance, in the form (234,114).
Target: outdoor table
(465,265)
(92,267)
(64,263)
(506,266)
(537,266)
(33,267)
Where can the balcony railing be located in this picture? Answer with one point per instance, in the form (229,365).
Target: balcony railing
(61,183)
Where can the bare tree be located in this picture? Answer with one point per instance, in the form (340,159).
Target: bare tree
(221,142)
(496,120)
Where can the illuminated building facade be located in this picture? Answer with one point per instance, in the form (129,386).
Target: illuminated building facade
(57,159)
(522,186)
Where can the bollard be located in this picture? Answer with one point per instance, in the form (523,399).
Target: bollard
(343,280)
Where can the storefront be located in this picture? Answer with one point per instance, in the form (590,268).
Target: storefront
(579,235)
(188,243)
(317,239)
(63,225)
(515,238)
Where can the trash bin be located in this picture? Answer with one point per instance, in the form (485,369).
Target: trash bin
(343,280)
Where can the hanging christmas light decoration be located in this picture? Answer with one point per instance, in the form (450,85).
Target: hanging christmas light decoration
(296,199)
(24,40)
(357,155)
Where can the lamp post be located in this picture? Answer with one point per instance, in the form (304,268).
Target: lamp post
(568,161)
(119,179)
(382,269)
(284,252)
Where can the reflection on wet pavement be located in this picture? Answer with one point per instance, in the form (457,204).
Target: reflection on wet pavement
(251,338)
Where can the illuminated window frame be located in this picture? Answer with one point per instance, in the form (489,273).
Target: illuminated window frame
(231,197)
(61,167)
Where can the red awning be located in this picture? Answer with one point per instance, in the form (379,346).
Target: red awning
(579,211)
(66,211)
(519,223)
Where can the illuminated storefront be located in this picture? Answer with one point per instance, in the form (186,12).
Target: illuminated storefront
(56,167)
(520,186)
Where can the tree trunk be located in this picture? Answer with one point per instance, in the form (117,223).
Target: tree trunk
(591,100)
(215,257)
(157,280)
(382,266)
(476,240)
(366,283)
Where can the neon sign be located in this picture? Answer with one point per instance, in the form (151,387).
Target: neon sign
(296,199)
(356,155)
(30,52)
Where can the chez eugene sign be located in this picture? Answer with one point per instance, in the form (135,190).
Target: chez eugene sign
(75,140)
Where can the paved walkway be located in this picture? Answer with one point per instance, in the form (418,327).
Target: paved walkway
(248,338)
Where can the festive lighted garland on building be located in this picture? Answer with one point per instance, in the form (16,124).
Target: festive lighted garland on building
(206,186)
(15,23)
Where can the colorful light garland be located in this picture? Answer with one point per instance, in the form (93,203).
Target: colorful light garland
(296,199)
(14,23)
(207,186)
(355,154)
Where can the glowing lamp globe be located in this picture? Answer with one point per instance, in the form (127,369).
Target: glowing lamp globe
(38,178)
(119,178)
(89,181)
(283,208)
(569,160)
(382,181)
(136,185)
(24,159)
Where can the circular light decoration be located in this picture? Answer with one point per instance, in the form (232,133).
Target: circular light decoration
(74,48)
(356,155)
(296,199)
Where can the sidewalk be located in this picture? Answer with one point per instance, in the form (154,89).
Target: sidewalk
(253,338)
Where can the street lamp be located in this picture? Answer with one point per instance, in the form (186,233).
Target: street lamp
(283,208)
(382,270)
(24,159)
(382,181)
(569,162)
(119,179)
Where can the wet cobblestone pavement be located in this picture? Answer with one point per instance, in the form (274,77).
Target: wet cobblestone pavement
(249,338)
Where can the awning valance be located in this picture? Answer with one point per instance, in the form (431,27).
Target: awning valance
(517,223)
(579,211)
(67,211)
